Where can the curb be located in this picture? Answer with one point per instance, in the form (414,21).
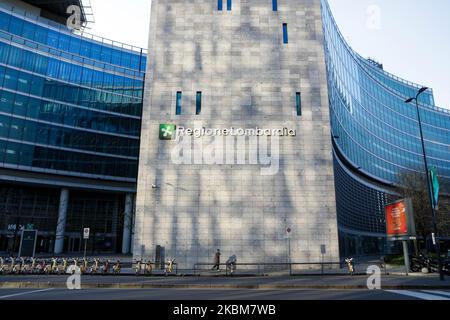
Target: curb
(48,285)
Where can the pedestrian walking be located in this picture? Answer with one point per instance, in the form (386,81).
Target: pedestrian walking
(217,261)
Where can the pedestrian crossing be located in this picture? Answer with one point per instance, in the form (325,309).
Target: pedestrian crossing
(435,295)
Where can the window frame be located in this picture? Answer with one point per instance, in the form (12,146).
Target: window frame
(285,33)
(298,103)
(198,103)
(178,103)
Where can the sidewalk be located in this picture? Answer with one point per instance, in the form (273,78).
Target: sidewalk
(391,282)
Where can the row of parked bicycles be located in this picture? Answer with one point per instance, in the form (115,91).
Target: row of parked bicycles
(58,266)
(96,266)
(145,267)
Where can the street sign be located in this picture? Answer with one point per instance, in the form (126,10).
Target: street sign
(86,232)
(323,249)
(434,187)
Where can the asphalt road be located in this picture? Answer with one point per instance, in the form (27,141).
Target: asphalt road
(218,294)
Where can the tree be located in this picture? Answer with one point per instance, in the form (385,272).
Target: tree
(414,185)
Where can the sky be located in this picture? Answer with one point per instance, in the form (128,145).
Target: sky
(410,37)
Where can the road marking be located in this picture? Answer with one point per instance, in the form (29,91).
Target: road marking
(24,293)
(419,295)
(441,293)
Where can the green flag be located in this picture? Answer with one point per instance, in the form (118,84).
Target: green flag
(434,186)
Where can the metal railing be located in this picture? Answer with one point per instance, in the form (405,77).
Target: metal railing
(63,29)
(79,60)
(95,266)
(294,269)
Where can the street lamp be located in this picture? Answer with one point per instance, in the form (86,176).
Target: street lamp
(433,211)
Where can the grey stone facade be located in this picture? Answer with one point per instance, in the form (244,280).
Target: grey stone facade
(248,78)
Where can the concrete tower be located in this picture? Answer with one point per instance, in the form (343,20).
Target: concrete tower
(261,72)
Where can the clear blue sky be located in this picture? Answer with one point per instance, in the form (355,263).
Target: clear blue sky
(410,37)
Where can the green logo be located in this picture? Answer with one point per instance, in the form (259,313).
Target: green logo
(167,131)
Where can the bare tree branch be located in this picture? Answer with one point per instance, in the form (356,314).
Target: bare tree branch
(414,186)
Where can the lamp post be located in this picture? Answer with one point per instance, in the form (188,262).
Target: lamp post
(433,211)
(289,230)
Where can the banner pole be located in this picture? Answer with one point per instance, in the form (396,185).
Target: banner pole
(406,254)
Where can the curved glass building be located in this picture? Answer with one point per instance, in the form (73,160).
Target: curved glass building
(70,112)
(376,137)
(71,107)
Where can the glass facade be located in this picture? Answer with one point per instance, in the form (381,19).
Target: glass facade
(375,132)
(39,207)
(70,118)
(68,104)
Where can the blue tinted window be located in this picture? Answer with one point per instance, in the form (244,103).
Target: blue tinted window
(41,64)
(24,82)
(96,51)
(219,5)
(28,30)
(16,129)
(179,98)
(135,62)
(117,94)
(2,75)
(10,81)
(20,105)
(6,102)
(4,50)
(125,59)
(4,21)
(64,43)
(28,60)
(75,45)
(4,126)
(116,57)
(40,35)
(229,5)
(298,103)
(106,54)
(52,69)
(85,49)
(275,5)
(16,25)
(52,38)
(198,103)
(15,57)
(285,33)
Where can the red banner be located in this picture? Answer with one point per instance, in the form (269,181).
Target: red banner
(396,219)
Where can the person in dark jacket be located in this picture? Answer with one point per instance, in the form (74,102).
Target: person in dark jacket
(217,261)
